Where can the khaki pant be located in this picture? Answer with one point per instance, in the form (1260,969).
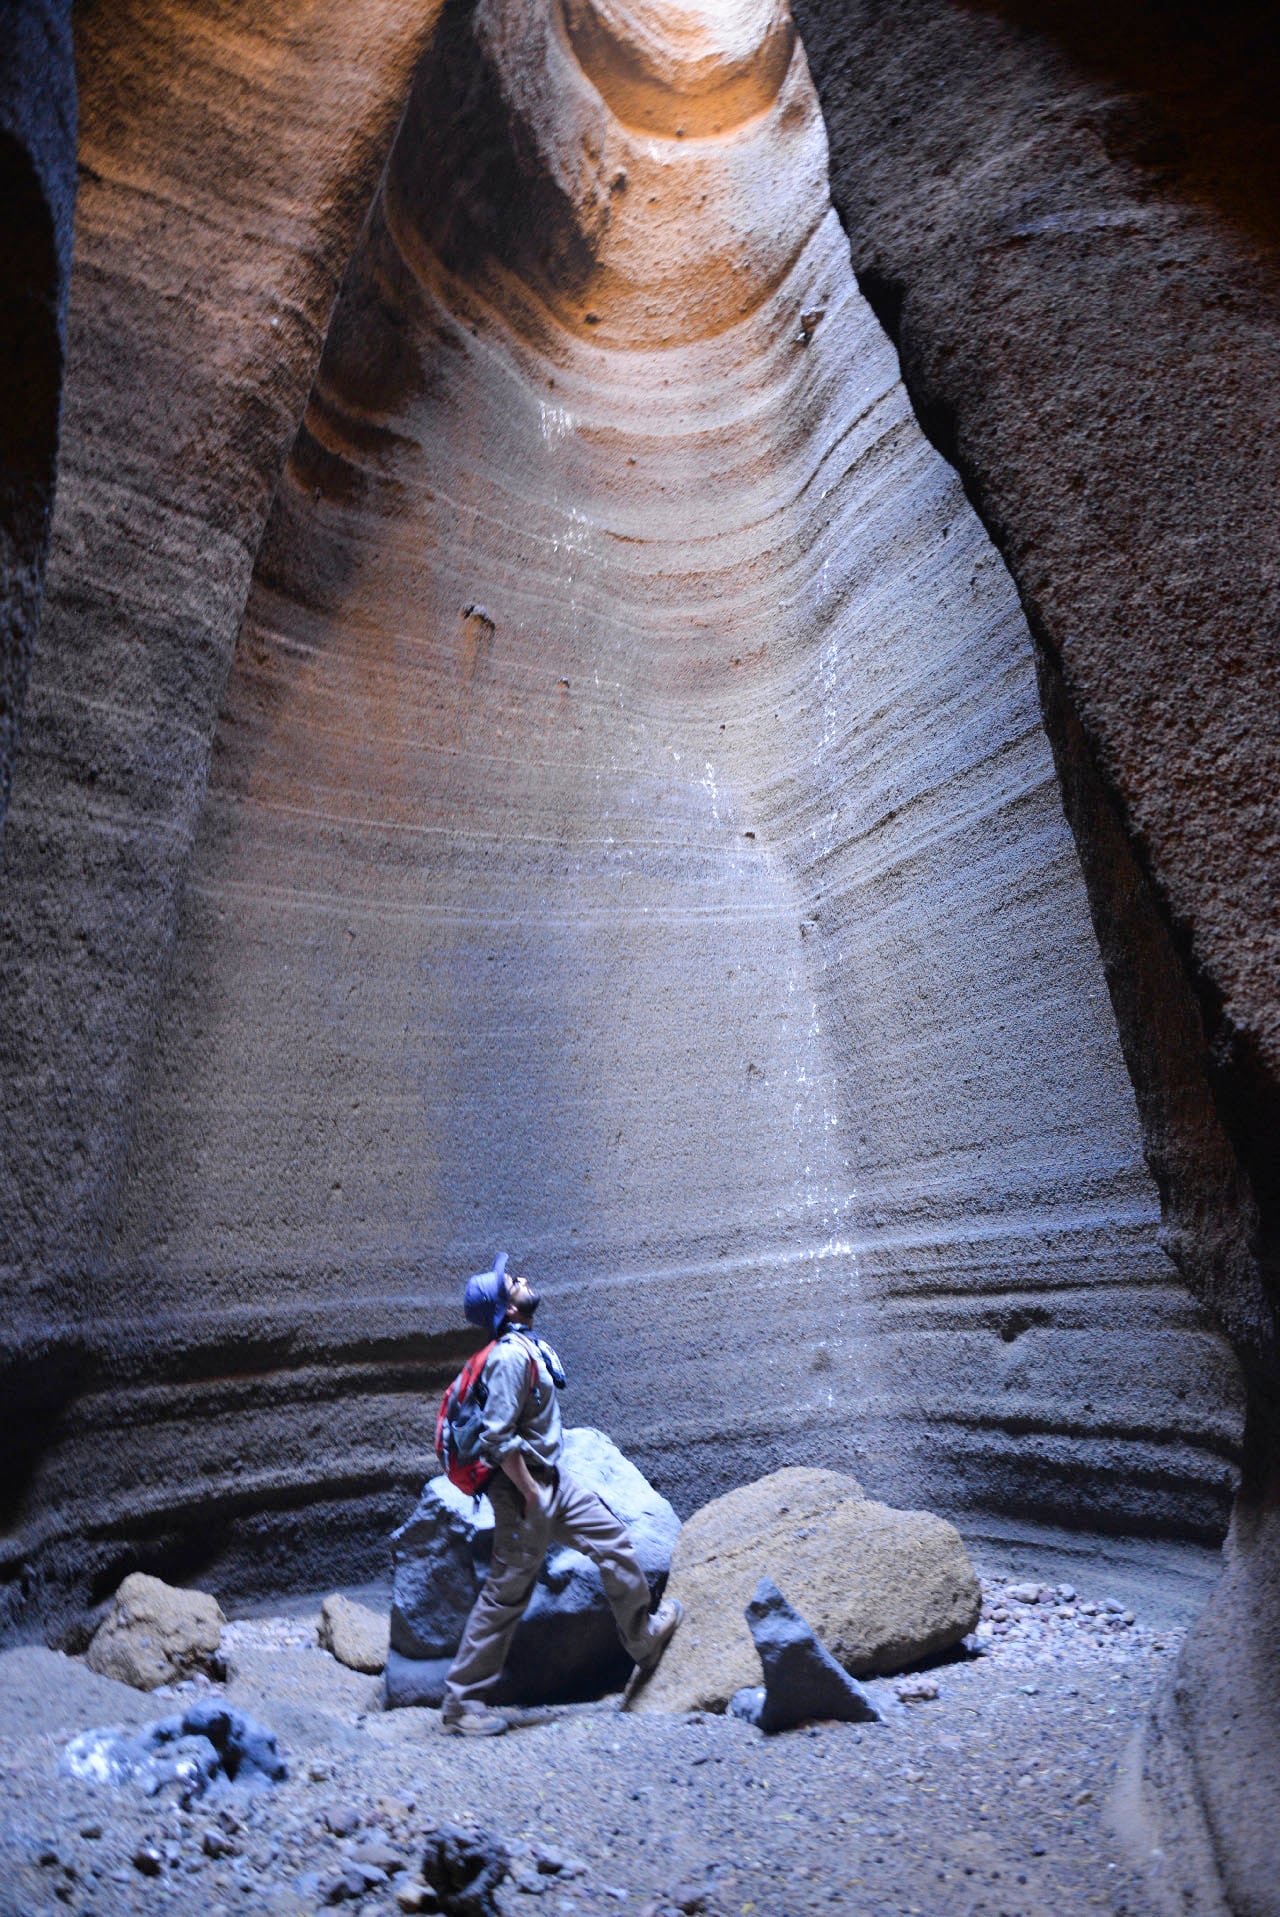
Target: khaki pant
(571,1516)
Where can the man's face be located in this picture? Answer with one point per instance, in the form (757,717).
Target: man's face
(522,1299)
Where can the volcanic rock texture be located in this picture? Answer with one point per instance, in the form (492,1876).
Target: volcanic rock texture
(1069,218)
(631,836)
(227,156)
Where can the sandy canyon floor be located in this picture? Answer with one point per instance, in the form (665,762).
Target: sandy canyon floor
(991,1797)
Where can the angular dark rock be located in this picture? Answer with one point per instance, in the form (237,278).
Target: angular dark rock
(349,1884)
(801,1679)
(567,1647)
(415,1680)
(211,1743)
(464,1870)
(247,1751)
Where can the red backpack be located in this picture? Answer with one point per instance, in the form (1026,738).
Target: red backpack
(460,1421)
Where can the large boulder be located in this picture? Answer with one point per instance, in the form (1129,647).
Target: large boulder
(880,1588)
(566,1648)
(355,1635)
(155,1634)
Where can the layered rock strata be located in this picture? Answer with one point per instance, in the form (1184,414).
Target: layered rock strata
(1067,218)
(226,159)
(631,836)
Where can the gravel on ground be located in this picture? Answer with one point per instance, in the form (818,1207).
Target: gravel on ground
(982,1792)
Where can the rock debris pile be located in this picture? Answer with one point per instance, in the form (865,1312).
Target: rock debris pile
(1028,1622)
(211,1743)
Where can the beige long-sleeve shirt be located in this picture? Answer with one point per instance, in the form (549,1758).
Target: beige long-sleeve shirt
(521,1412)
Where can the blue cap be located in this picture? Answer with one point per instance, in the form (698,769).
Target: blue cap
(485,1299)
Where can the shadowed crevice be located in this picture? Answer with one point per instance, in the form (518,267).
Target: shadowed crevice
(37,195)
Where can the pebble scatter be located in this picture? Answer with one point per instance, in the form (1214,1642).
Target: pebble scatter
(1031,1622)
(982,1791)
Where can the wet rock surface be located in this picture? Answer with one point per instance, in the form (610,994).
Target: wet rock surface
(987,1797)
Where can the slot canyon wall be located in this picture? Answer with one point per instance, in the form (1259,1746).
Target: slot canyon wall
(632,838)
(1068,219)
(531,745)
(225,166)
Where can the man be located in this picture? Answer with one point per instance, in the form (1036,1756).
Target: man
(535,1504)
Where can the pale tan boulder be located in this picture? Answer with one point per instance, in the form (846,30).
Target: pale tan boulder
(357,1637)
(880,1588)
(155,1634)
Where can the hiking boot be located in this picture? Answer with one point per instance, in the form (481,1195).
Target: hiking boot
(665,1620)
(475,1722)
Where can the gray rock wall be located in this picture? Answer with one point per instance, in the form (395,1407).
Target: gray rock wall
(631,837)
(1067,218)
(1068,230)
(225,164)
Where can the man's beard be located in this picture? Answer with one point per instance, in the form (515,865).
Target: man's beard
(534,1300)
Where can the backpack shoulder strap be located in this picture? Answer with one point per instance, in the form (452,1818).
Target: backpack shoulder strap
(473,1370)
